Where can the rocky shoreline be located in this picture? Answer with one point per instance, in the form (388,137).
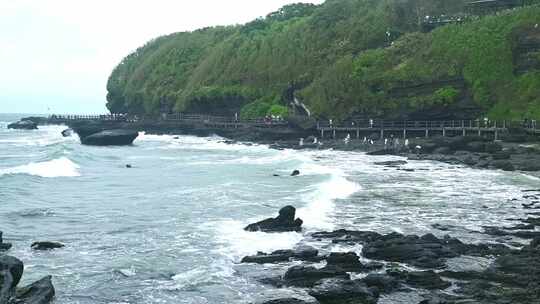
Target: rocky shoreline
(515,152)
(396,263)
(11,272)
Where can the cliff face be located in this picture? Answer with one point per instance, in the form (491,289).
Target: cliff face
(342,58)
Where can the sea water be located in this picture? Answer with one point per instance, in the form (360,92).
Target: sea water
(170,229)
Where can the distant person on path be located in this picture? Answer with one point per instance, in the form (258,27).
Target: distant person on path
(315,140)
(418,150)
(347,139)
(371,123)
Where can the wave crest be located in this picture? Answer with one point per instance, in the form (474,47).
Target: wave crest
(60,167)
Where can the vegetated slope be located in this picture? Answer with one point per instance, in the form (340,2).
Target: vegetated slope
(342,58)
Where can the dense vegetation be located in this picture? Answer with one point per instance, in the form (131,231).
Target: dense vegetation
(341,58)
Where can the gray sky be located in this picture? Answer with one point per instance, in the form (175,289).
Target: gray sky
(56,55)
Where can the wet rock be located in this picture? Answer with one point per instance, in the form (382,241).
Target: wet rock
(425,279)
(393,163)
(383,282)
(23,125)
(503,155)
(503,165)
(349,262)
(288,301)
(4,246)
(295,173)
(306,276)
(283,223)
(11,271)
(302,253)
(521,227)
(348,236)
(344,291)
(475,146)
(442,227)
(40,292)
(443,150)
(419,252)
(110,138)
(67,132)
(46,245)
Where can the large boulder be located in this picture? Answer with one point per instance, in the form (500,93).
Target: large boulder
(110,138)
(283,223)
(23,125)
(348,261)
(39,292)
(11,271)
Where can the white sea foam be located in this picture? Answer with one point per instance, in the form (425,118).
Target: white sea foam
(197,143)
(321,201)
(240,243)
(61,167)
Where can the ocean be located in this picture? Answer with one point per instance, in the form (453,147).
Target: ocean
(170,229)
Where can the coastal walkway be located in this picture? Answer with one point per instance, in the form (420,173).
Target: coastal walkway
(355,128)
(209,121)
(425,128)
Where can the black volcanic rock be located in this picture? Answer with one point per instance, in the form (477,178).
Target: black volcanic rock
(11,271)
(288,301)
(46,245)
(383,282)
(283,223)
(302,253)
(23,125)
(348,261)
(4,246)
(39,292)
(110,138)
(67,132)
(307,276)
(339,290)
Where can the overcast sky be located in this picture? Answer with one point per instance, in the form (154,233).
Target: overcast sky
(56,55)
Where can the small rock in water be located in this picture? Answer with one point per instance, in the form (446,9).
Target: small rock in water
(4,246)
(283,223)
(67,132)
(295,173)
(46,245)
(129,166)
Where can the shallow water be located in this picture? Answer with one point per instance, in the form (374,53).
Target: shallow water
(169,230)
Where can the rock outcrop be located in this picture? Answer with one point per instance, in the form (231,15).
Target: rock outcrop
(285,222)
(302,253)
(23,125)
(110,138)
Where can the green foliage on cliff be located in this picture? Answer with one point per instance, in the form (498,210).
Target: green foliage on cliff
(339,57)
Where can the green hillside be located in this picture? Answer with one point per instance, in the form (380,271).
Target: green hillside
(343,58)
